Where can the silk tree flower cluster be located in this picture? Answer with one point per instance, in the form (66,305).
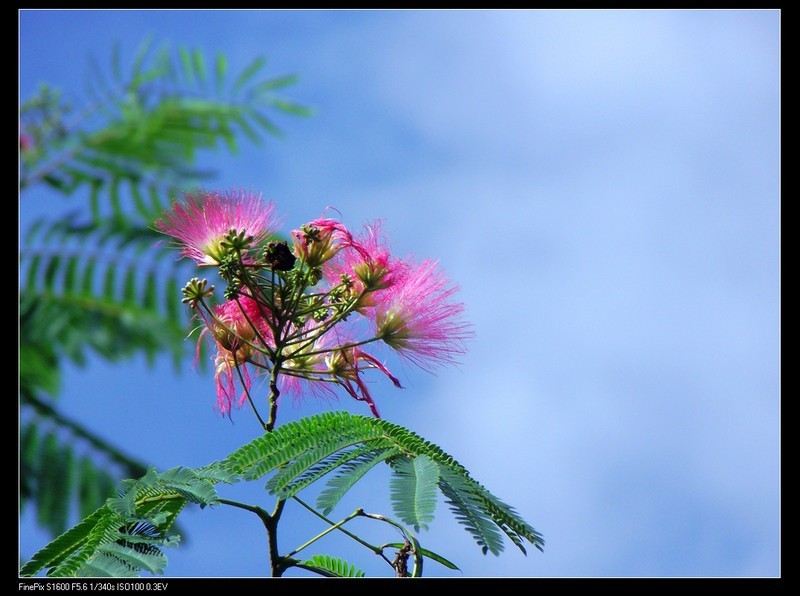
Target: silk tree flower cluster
(308,316)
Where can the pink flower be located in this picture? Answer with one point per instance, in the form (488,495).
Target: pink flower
(201,221)
(368,262)
(240,327)
(317,366)
(346,366)
(226,379)
(419,319)
(304,368)
(318,241)
(243,323)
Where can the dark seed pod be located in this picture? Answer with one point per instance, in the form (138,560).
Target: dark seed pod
(278,256)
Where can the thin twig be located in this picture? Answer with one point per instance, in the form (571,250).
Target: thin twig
(375,549)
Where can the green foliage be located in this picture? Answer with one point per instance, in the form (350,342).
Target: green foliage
(413,489)
(145,127)
(95,287)
(316,445)
(469,511)
(94,281)
(312,466)
(64,466)
(347,475)
(126,535)
(331,567)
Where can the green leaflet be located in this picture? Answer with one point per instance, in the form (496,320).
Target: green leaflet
(470,513)
(186,63)
(244,126)
(180,482)
(289,107)
(331,567)
(413,490)
(28,468)
(54,473)
(248,73)
(348,474)
(90,486)
(69,543)
(152,560)
(312,466)
(139,56)
(104,565)
(220,70)
(276,83)
(39,371)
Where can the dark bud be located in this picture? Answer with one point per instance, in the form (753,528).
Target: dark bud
(278,256)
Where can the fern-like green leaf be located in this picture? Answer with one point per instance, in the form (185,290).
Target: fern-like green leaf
(276,83)
(152,123)
(248,73)
(139,56)
(289,107)
(104,565)
(314,465)
(129,286)
(131,528)
(65,545)
(49,473)
(186,63)
(306,449)
(89,487)
(220,70)
(193,487)
(414,490)
(348,474)
(509,521)
(81,304)
(216,473)
(469,511)
(332,567)
(28,462)
(59,482)
(199,64)
(147,559)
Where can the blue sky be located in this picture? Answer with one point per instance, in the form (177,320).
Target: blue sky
(604,187)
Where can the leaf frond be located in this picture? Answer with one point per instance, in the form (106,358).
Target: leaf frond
(303,451)
(332,567)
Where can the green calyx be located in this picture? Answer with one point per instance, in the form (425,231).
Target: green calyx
(196,290)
